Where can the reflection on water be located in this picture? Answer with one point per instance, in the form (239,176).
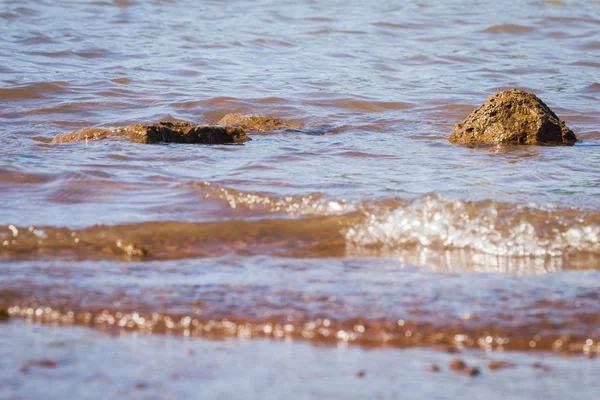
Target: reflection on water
(365,217)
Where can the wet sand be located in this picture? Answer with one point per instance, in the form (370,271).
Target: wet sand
(73,362)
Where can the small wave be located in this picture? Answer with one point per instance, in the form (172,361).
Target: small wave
(593,88)
(30,12)
(393,25)
(12,178)
(271,43)
(37,90)
(430,231)
(313,237)
(354,104)
(548,2)
(488,227)
(508,28)
(262,203)
(328,31)
(400,333)
(592,45)
(342,303)
(37,38)
(572,20)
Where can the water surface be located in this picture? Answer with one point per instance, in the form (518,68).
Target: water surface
(365,227)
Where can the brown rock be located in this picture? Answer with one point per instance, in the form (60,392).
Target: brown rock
(82,134)
(495,365)
(256,123)
(434,368)
(539,365)
(39,364)
(457,365)
(512,117)
(162,131)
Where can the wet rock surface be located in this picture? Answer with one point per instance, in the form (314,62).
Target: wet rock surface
(162,131)
(434,368)
(512,117)
(44,363)
(496,365)
(255,123)
(459,365)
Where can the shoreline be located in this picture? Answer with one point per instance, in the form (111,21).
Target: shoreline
(163,366)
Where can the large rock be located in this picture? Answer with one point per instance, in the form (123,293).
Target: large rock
(162,131)
(512,117)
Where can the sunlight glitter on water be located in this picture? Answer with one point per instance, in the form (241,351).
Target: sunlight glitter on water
(362,215)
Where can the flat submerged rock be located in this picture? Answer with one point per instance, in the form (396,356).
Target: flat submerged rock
(513,117)
(162,131)
(256,123)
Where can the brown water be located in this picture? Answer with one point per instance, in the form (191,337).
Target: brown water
(366,226)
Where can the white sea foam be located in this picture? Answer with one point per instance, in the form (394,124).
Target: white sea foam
(497,229)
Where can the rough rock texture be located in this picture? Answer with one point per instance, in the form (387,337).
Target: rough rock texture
(512,117)
(162,131)
(83,134)
(256,123)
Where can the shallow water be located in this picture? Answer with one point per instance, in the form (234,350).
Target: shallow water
(366,226)
(73,362)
